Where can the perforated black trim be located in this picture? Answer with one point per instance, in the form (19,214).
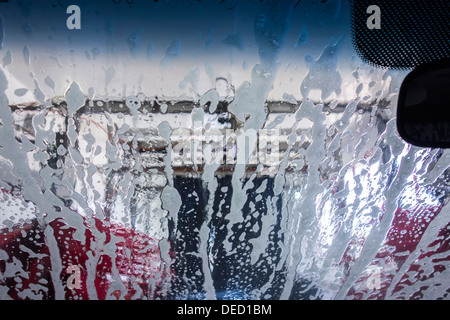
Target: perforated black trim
(412,33)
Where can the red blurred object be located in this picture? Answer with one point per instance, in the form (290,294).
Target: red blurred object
(405,234)
(116,262)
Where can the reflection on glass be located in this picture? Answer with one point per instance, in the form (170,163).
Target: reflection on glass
(218,158)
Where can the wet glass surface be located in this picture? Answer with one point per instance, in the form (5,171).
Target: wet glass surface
(209,150)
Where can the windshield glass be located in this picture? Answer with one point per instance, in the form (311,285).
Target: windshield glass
(208,150)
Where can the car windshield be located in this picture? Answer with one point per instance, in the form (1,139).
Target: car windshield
(209,150)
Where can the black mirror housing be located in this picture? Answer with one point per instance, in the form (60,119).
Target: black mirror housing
(423,110)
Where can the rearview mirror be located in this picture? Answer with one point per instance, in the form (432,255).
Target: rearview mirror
(423,111)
